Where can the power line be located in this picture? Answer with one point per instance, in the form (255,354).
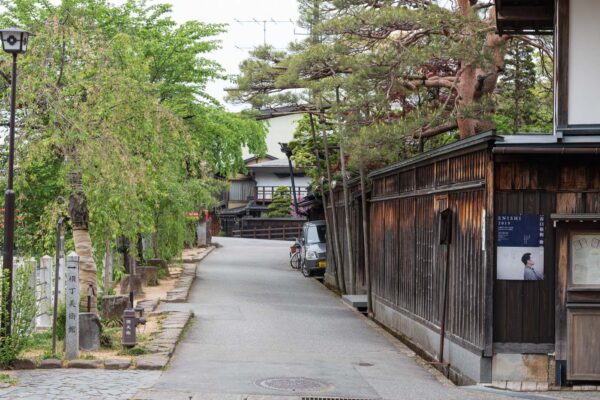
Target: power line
(265,22)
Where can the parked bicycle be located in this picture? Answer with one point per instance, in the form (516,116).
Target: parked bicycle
(296,255)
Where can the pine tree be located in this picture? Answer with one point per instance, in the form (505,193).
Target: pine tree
(280,206)
(518,104)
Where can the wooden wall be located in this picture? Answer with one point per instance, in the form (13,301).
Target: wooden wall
(524,312)
(408,264)
(356,229)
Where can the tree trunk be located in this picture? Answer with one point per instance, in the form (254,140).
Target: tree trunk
(83,247)
(322,191)
(474,83)
(347,220)
(365,227)
(336,241)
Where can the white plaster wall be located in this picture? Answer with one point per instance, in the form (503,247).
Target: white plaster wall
(264,178)
(584,59)
(281,129)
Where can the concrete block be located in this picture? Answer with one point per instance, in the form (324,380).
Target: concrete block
(84,364)
(584,388)
(542,387)
(51,363)
(152,362)
(26,363)
(528,386)
(89,332)
(117,364)
(520,367)
(515,386)
(113,306)
(499,384)
(355,300)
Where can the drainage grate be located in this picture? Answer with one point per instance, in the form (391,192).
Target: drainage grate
(293,384)
(335,398)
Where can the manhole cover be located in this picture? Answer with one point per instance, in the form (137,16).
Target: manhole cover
(293,384)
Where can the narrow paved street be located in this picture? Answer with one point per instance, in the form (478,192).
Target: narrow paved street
(264,332)
(261,328)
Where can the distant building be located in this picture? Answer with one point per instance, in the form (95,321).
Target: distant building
(250,194)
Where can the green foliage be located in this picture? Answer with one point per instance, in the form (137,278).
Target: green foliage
(113,322)
(61,321)
(106,341)
(525,104)
(281,203)
(7,379)
(116,95)
(118,273)
(391,78)
(133,351)
(24,310)
(153,281)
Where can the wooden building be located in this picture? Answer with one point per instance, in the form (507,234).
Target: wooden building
(496,329)
(501,309)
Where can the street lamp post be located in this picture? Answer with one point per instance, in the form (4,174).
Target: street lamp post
(14,41)
(288,152)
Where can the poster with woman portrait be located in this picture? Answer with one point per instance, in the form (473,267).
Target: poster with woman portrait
(520,247)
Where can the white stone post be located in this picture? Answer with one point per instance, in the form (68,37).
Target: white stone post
(108,268)
(72,295)
(201,233)
(44,288)
(61,277)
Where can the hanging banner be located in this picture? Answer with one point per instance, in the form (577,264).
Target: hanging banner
(520,247)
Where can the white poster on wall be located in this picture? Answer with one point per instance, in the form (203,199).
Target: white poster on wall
(520,247)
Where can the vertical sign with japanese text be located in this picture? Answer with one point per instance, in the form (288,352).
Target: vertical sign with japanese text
(520,247)
(72,306)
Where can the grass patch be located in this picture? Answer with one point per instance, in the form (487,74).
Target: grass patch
(133,351)
(9,380)
(186,328)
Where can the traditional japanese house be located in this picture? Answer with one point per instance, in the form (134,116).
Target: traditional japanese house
(508,197)
(485,253)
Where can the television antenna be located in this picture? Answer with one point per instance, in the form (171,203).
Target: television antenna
(265,22)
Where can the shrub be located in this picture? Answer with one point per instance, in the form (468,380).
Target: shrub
(61,321)
(280,205)
(24,310)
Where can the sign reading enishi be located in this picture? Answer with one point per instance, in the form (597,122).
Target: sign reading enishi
(520,247)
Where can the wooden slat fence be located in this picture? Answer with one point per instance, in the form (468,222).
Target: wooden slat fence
(271,233)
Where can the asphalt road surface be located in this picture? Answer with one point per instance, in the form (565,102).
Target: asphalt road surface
(264,331)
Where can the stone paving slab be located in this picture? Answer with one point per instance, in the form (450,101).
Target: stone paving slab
(184,282)
(116,364)
(51,363)
(84,364)
(152,361)
(26,363)
(77,384)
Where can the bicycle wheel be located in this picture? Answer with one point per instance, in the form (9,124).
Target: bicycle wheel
(296,260)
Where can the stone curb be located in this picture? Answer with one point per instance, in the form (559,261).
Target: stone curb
(161,347)
(526,386)
(180,293)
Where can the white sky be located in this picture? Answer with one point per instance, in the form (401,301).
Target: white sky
(240,37)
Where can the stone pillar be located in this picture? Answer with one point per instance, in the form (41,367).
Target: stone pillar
(61,277)
(33,269)
(108,269)
(44,286)
(72,296)
(201,233)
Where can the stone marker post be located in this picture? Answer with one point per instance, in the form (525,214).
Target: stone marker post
(44,286)
(201,233)
(72,298)
(108,268)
